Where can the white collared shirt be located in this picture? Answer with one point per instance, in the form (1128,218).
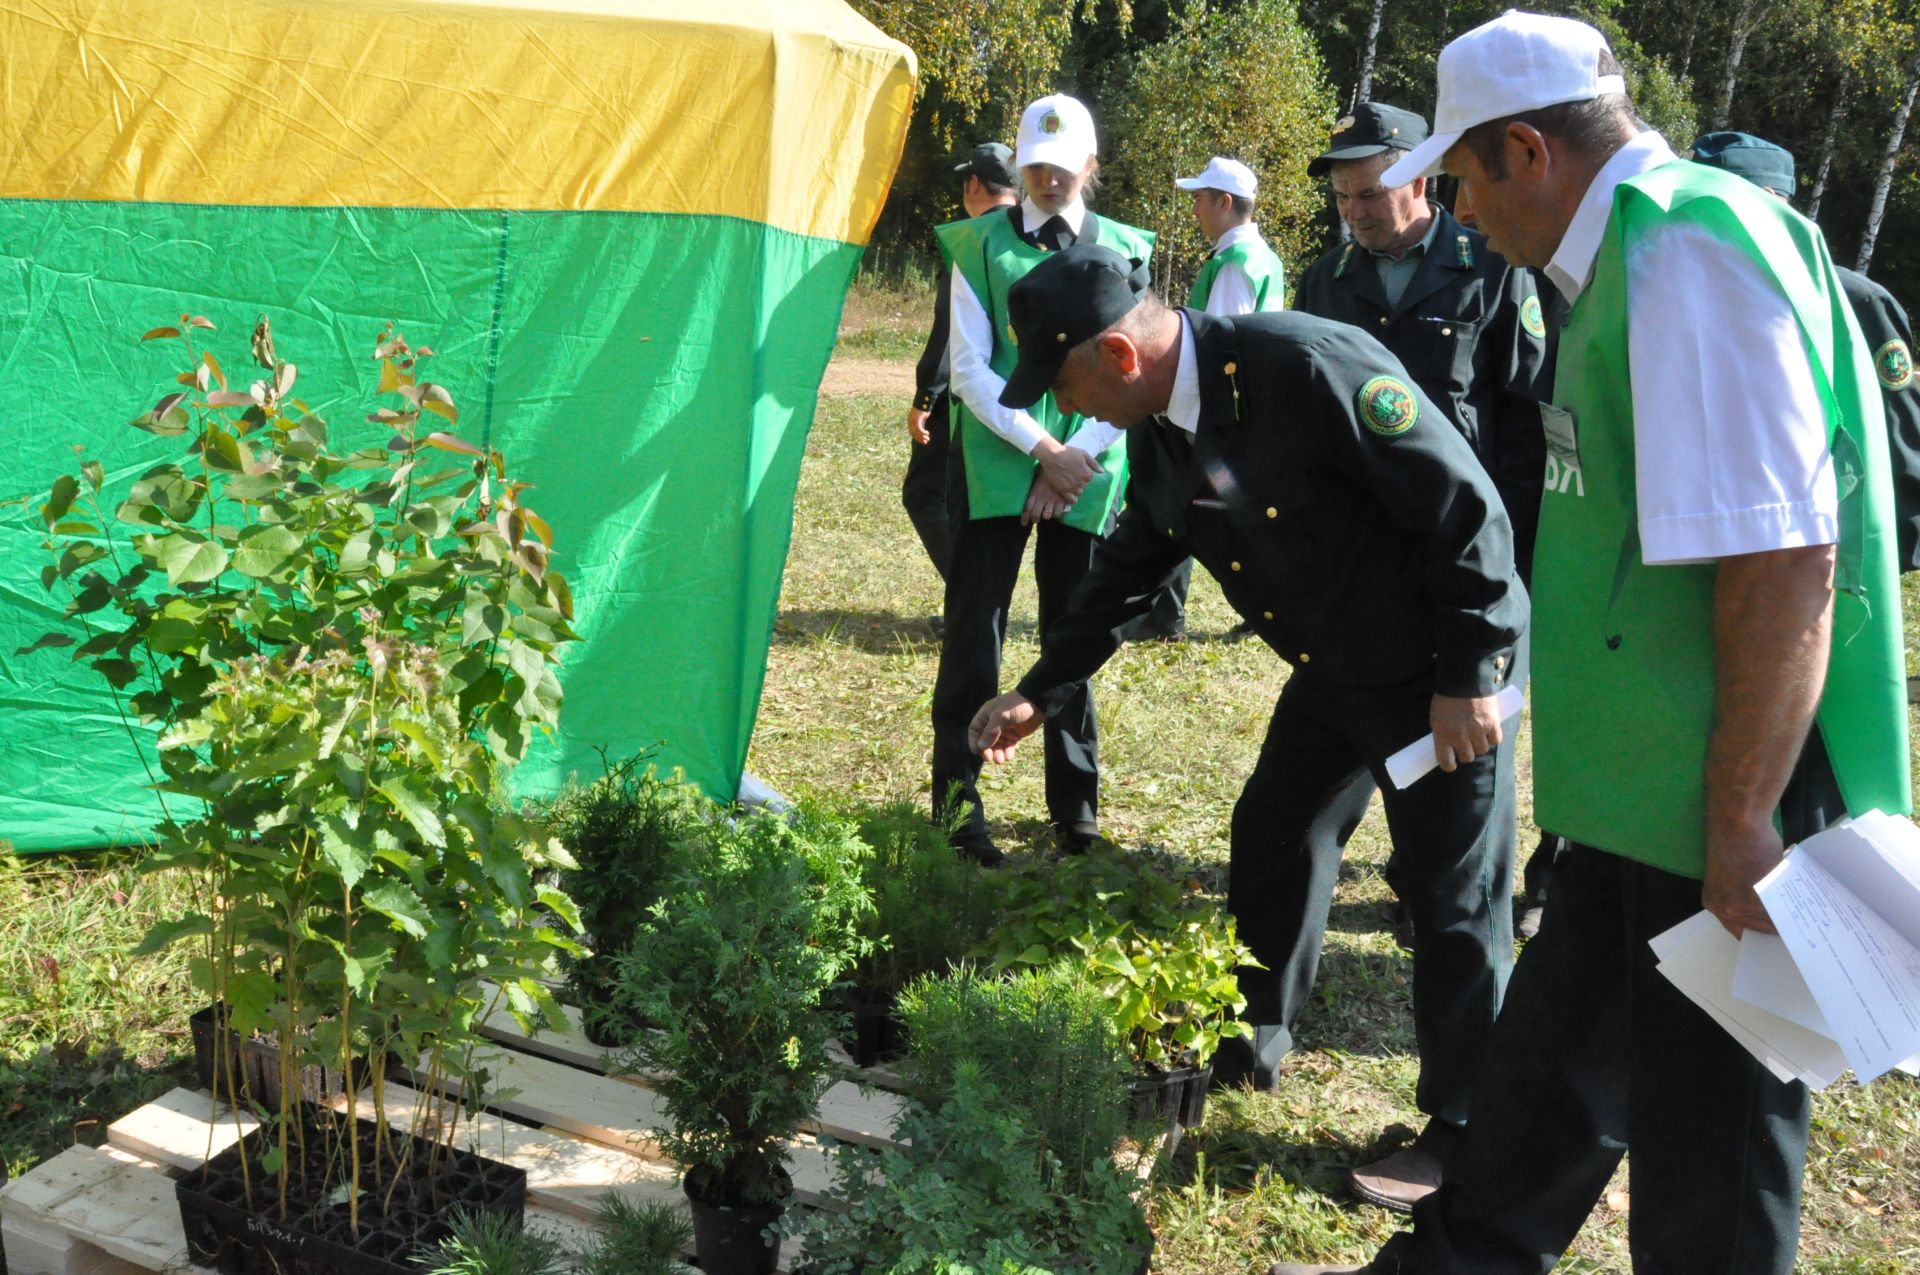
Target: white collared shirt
(1232,291)
(1730,435)
(971,377)
(1183,403)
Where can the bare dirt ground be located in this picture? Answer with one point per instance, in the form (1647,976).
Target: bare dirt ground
(855,374)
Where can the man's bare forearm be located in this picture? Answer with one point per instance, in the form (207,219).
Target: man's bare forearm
(1772,620)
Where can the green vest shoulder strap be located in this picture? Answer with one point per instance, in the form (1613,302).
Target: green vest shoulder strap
(1259,262)
(1624,662)
(991,256)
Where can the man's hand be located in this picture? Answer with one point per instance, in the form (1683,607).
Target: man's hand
(1736,860)
(1068,468)
(1044,501)
(917,425)
(1001,724)
(1463,729)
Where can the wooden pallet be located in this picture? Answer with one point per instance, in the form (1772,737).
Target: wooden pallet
(579,1133)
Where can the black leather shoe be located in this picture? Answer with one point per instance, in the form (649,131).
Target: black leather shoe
(981,850)
(1077,837)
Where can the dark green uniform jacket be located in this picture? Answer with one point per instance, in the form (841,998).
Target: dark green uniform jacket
(1342,513)
(1470,330)
(1890,340)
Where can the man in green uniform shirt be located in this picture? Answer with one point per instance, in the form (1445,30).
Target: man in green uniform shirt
(1350,523)
(1716,649)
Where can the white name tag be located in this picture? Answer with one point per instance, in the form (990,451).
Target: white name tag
(1563,437)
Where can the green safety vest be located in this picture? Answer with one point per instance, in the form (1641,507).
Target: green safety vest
(992,257)
(1623,675)
(1264,270)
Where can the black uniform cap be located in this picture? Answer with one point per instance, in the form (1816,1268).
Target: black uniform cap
(1372,128)
(991,163)
(1072,296)
(1744,155)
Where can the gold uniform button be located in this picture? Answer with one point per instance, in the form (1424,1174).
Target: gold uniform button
(1234,565)
(1383,320)
(1305,658)
(1446,331)
(1272,512)
(1266,615)
(1230,368)
(1499,662)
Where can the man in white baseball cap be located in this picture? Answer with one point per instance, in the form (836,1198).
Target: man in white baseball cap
(1718,507)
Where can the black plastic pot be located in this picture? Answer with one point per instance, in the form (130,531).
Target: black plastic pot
(1193,1107)
(730,1239)
(254,1065)
(234,1225)
(879,1033)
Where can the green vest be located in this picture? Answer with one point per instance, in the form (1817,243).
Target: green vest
(1623,675)
(1263,268)
(992,257)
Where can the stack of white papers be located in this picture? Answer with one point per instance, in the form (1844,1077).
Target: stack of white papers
(1840,986)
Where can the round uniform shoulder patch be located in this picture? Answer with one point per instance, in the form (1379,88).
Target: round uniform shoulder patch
(1893,364)
(1531,319)
(1388,406)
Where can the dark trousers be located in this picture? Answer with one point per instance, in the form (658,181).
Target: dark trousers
(1453,857)
(927,490)
(986,562)
(1168,618)
(1596,1053)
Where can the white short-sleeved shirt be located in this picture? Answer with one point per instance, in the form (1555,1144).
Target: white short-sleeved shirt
(1730,433)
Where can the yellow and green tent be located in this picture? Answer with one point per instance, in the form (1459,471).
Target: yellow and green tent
(626,227)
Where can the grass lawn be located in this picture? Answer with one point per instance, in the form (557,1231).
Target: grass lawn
(87,1033)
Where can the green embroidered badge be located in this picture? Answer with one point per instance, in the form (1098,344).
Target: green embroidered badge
(1531,319)
(1388,406)
(1050,123)
(1893,364)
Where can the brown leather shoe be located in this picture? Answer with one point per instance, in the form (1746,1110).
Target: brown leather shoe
(1301,1268)
(1397,1182)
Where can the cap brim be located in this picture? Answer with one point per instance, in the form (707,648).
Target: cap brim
(1031,380)
(1188,183)
(1319,164)
(1422,161)
(1060,154)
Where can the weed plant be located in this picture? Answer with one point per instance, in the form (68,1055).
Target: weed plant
(930,907)
(644,1238)
(493,1244)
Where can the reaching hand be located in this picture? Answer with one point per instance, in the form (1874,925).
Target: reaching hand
(1068,468)
(1463,729)
(917,425)
(1044,500)
(1001,724)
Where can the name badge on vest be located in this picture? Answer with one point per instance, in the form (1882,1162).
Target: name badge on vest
(1563,439)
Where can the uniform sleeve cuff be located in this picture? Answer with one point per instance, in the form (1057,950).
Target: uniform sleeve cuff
(923,401)
(1472,676)
(1048,695)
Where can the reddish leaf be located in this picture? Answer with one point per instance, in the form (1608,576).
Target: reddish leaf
(155,333)
(448,443)
(229,398)
(540,527)
(389,377)
(212,363)
(197,321)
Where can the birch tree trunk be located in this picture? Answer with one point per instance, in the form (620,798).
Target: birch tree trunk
(1888,160)
(1751,11)
(1828,141)
(1362,92)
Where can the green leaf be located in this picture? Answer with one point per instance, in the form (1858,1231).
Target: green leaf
(161,494)
(119,673)
(346,847)
(415,732)
(79,554)
(561,904)
(65,488)
(170,635)
(399,904)
(94,474)
(188,558)
(221,450)
(165,934)
(413,806)
(482,621)
(263,549)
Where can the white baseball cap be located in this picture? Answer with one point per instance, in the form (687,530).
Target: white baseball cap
(1225,174)
(1056,130)
(1517,62)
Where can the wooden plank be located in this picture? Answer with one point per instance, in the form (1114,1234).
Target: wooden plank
(35,1248)
(564,1174)
(182,1128)
(615,1113)
(124,1210)
(846,1113)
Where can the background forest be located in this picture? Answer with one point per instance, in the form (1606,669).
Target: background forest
(1173,81)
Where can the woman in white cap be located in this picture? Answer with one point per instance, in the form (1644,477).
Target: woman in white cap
(1022,467)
